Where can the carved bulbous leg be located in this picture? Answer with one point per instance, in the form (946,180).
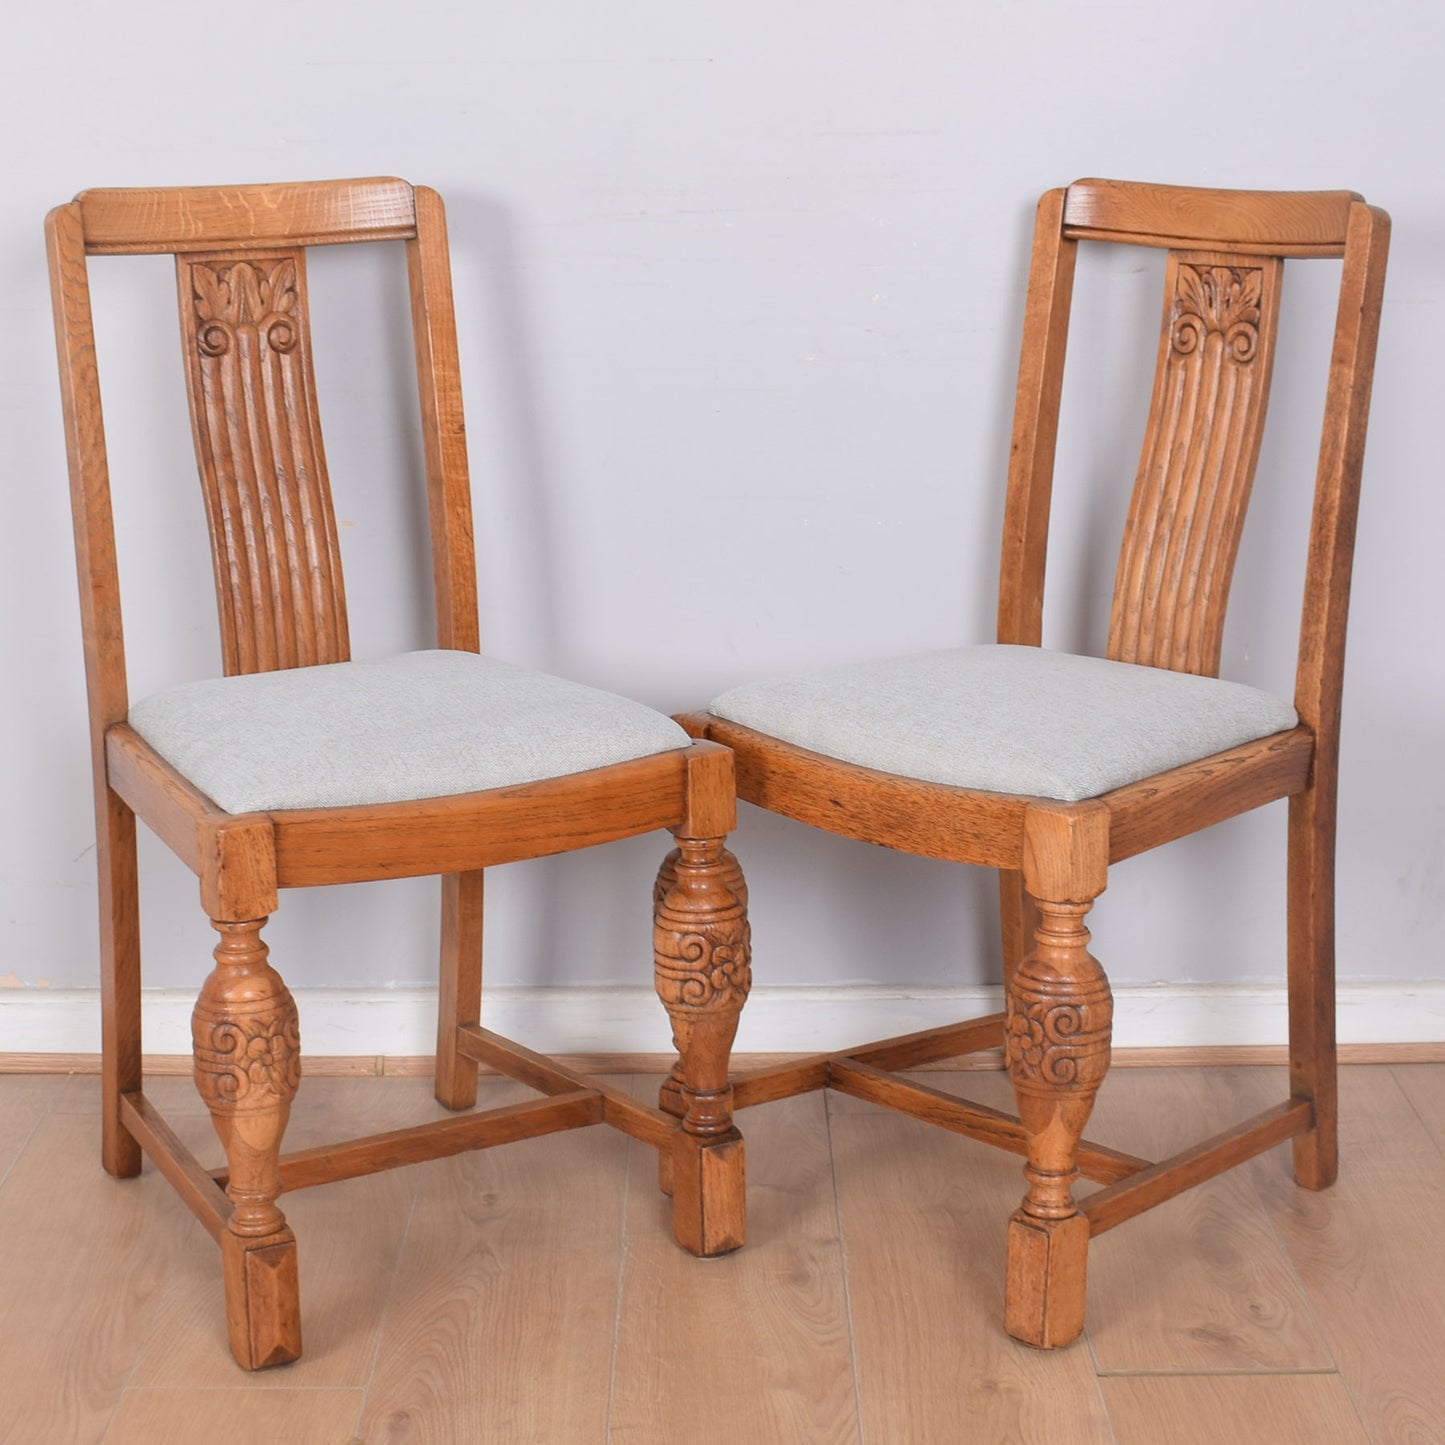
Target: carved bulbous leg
(669,1097)
(1059,1014)
(702,951)
(247,1068)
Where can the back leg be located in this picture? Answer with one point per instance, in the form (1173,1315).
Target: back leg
(459,997)
(120,1028)
(1018,919)
(1312,981)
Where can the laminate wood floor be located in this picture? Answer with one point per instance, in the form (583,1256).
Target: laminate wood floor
(533,1294)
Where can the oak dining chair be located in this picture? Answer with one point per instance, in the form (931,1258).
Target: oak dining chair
(1052,767)
(302,766)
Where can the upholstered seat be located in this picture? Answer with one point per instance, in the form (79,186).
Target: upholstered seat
(1008,719)
(391,730)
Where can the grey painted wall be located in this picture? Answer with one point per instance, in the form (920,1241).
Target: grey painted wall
(740,291)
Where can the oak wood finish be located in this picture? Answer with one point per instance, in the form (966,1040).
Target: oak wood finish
(179,219)
(398,1147)
(1151,1186)
(617,1106)
(248,1068)
(1227,253)
(702,957)
(975,1121)
(958,824)
(201,1193)
(1318,685)
(1057,1044)
(459,988)
(246,337)
(1211,389)
(240,255)
(1282,223)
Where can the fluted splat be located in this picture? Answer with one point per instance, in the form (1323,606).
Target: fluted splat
(258,442)
(1200,449)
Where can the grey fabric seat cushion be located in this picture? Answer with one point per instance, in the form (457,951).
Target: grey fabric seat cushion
(1009,719)
(420,725)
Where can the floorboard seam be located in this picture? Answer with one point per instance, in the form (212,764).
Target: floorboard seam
(385,1312)
(1099,1375)
(1424,1122)
(140,1344)
(622,1249)
(1171,1374)
(843,1264)
(24,1145)
(1281,1244)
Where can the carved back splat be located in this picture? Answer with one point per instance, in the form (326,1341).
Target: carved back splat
(1187,512)
(247,344)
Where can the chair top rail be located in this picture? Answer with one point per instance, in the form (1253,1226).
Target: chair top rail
(203,218)
(1293,223)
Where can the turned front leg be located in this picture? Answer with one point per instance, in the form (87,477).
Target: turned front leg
(1059,1017)
(703,973)
(669,1096)
(247,1069)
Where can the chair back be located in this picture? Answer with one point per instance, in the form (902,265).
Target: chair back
(1226,254)
(240,255)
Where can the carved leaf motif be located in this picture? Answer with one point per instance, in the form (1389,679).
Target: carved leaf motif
(244,295)
(206,286)
(1222,299)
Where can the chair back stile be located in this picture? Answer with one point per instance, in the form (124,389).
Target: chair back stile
(1319,674)
(443,427)
(95,556)
(1036,427)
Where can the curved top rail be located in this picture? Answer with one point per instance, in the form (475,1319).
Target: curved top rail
(1278,222)
(206,218)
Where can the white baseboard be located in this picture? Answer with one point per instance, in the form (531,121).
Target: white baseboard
(401,1022)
